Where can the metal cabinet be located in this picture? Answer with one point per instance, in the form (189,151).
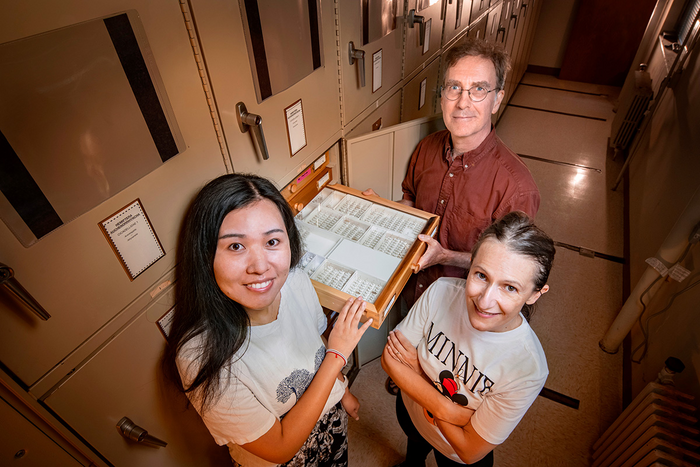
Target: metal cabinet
(371,50)
(386,114)
(477,30)
(73,272)
(123,380)
(493,23)
(232,32)
(387,151)
(25,444)
(479,7)
(420,95)
(456,19)
(423,33)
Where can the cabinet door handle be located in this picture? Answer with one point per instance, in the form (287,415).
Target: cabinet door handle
(132,431)
(413,18)
(501,30)
(7,280)
(359,55)
(253,122)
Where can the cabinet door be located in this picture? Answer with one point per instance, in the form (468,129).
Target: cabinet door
(376,31)
(123,380)
(420,95)
(493,23)
(477,30)
(530,13)
(24,444)
(297,68)
(456,19)
(73,272)
(422,42)
(478,8)
(517,30)
(380,159)
(386,115)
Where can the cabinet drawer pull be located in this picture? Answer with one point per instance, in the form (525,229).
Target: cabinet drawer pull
(132,431)
(7,280)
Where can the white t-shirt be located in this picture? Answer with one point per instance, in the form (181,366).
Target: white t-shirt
(499,374)
(276,366)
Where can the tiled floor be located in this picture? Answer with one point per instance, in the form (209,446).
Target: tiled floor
(563,127)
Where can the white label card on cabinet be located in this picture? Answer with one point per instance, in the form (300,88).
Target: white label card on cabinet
(165,322)
(295,127)
(376,70)
(319,162)
(132,238)
(426,39)
(421,98)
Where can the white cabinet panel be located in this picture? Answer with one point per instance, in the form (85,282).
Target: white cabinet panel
(379,160)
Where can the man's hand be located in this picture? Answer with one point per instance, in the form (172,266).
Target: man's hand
(371,192)
(434,254)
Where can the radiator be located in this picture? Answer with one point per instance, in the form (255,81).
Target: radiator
(630,113)
(656,429)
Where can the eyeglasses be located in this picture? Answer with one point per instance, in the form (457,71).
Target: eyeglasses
(476,93)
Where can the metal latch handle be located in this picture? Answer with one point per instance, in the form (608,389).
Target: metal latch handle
(7,280)
(248,121)
(132,431)
(413,18)
(359,55)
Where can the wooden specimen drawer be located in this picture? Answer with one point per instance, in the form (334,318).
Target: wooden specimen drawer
(358,245)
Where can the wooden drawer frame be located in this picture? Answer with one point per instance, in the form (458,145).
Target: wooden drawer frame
(334,299)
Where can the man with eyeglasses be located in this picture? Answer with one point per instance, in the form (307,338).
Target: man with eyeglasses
(468,176)
(465,173)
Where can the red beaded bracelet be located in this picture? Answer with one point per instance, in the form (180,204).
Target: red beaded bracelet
(338,354)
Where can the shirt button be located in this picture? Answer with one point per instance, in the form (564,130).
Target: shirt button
(452,175)
(420,286)
(442,201)
(466,166)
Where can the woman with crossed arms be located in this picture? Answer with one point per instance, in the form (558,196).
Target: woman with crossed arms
(465,358)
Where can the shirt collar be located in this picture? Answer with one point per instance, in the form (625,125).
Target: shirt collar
(473,156)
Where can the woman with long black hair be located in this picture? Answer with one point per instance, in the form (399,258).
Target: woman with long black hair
(246,333)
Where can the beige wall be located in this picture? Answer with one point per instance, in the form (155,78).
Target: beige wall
(664,181)
(556,20)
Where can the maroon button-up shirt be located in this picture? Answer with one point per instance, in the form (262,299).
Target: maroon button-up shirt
(468,192)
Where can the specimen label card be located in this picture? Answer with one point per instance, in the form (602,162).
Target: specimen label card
(132,238)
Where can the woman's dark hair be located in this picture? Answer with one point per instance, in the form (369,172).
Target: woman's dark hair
(517,232)
(202,309)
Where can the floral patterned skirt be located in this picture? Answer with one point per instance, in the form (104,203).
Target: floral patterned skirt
(327,445)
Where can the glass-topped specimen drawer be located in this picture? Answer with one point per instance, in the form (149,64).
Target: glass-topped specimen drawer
(356,245)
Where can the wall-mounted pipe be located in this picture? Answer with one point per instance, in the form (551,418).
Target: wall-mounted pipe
(672,247)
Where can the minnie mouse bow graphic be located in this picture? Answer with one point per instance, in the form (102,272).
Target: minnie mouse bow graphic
(448,387)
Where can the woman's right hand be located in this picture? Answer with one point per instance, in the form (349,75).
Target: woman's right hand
(401,349)
(346,333)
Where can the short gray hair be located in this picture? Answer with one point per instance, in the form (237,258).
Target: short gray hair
(480,48)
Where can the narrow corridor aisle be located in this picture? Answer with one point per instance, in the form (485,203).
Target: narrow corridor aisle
(561,130)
